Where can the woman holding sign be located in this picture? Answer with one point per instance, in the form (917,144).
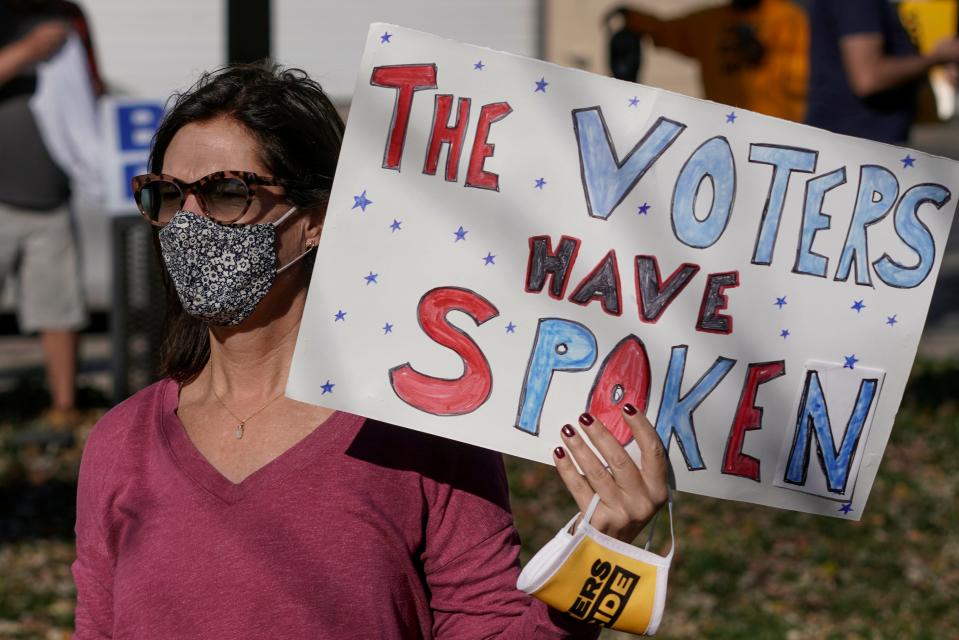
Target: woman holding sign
(211,506)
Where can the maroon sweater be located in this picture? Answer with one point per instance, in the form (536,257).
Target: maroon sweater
(360,530)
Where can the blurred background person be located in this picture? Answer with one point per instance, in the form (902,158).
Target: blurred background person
(753,53)
(47,82)
(865,71)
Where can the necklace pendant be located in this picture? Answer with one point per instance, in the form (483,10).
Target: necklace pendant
(239,430)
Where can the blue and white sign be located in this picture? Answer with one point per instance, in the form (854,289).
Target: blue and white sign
(128,128)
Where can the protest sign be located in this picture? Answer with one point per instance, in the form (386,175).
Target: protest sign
(510,243)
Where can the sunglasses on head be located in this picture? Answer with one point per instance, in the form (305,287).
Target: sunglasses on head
(224,196)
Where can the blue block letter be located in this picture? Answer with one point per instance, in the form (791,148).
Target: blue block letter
(814,416)
(606,180)
(560,345)
(713,160)
(878,190)
(915,234)
(814,220)
(676,413)
(784,160)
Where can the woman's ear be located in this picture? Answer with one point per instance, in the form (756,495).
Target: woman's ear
(314,224)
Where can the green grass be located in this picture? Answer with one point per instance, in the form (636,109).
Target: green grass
(741,571)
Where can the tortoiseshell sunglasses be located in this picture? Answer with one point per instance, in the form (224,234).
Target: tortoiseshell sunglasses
(224,196)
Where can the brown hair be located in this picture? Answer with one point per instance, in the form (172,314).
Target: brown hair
(299,134)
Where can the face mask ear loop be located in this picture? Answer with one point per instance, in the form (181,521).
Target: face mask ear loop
(286,215)
(672,534)
(652,530)
(670,487)
(294,261)
(591,508)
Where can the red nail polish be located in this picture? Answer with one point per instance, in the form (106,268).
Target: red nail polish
(568,431)
(629,409)
(559,452)
(586,419)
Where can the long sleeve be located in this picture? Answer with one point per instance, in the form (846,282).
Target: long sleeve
(471,558)
(93,568)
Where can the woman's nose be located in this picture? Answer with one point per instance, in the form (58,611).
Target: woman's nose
(192,205)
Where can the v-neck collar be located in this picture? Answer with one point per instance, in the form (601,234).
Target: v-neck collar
(325,437)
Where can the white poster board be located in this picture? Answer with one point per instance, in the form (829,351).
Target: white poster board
(510,243)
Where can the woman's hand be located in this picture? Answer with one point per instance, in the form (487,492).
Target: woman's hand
(629,497)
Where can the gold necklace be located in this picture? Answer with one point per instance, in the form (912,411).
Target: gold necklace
(238,432)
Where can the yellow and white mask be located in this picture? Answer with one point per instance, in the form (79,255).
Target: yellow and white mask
(596,578)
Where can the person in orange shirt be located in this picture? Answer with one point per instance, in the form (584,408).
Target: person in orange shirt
(753,53)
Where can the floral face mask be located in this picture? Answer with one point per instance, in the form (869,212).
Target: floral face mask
(221,272)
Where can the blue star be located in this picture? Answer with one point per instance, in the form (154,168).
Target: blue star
(371,279)
(479,65)
(340,315)
(511,328)
(891,320)
(327,388)
(644,208)
(396,225)
(361,201)
(387,328)
(634,101)
(784,333)
(731,118)
(488,260)
(857,306)
(460,234)
(385,37)
(908,161)
(780,302)
(846,508)
(540,183)
(541,85)
(850,362)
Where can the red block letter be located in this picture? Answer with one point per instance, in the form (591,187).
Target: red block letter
(623,377)
(749,417)
(405,79)
(476,176)
(443,133)
(443,396)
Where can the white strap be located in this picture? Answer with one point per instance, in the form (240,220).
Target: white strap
(672,535)
(652,530)
(286,215)
(591,508)
(294,260)
(652,524)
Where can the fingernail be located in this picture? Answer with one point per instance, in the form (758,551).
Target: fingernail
(559,452)
(629,409)
(568,431)
(586,419)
